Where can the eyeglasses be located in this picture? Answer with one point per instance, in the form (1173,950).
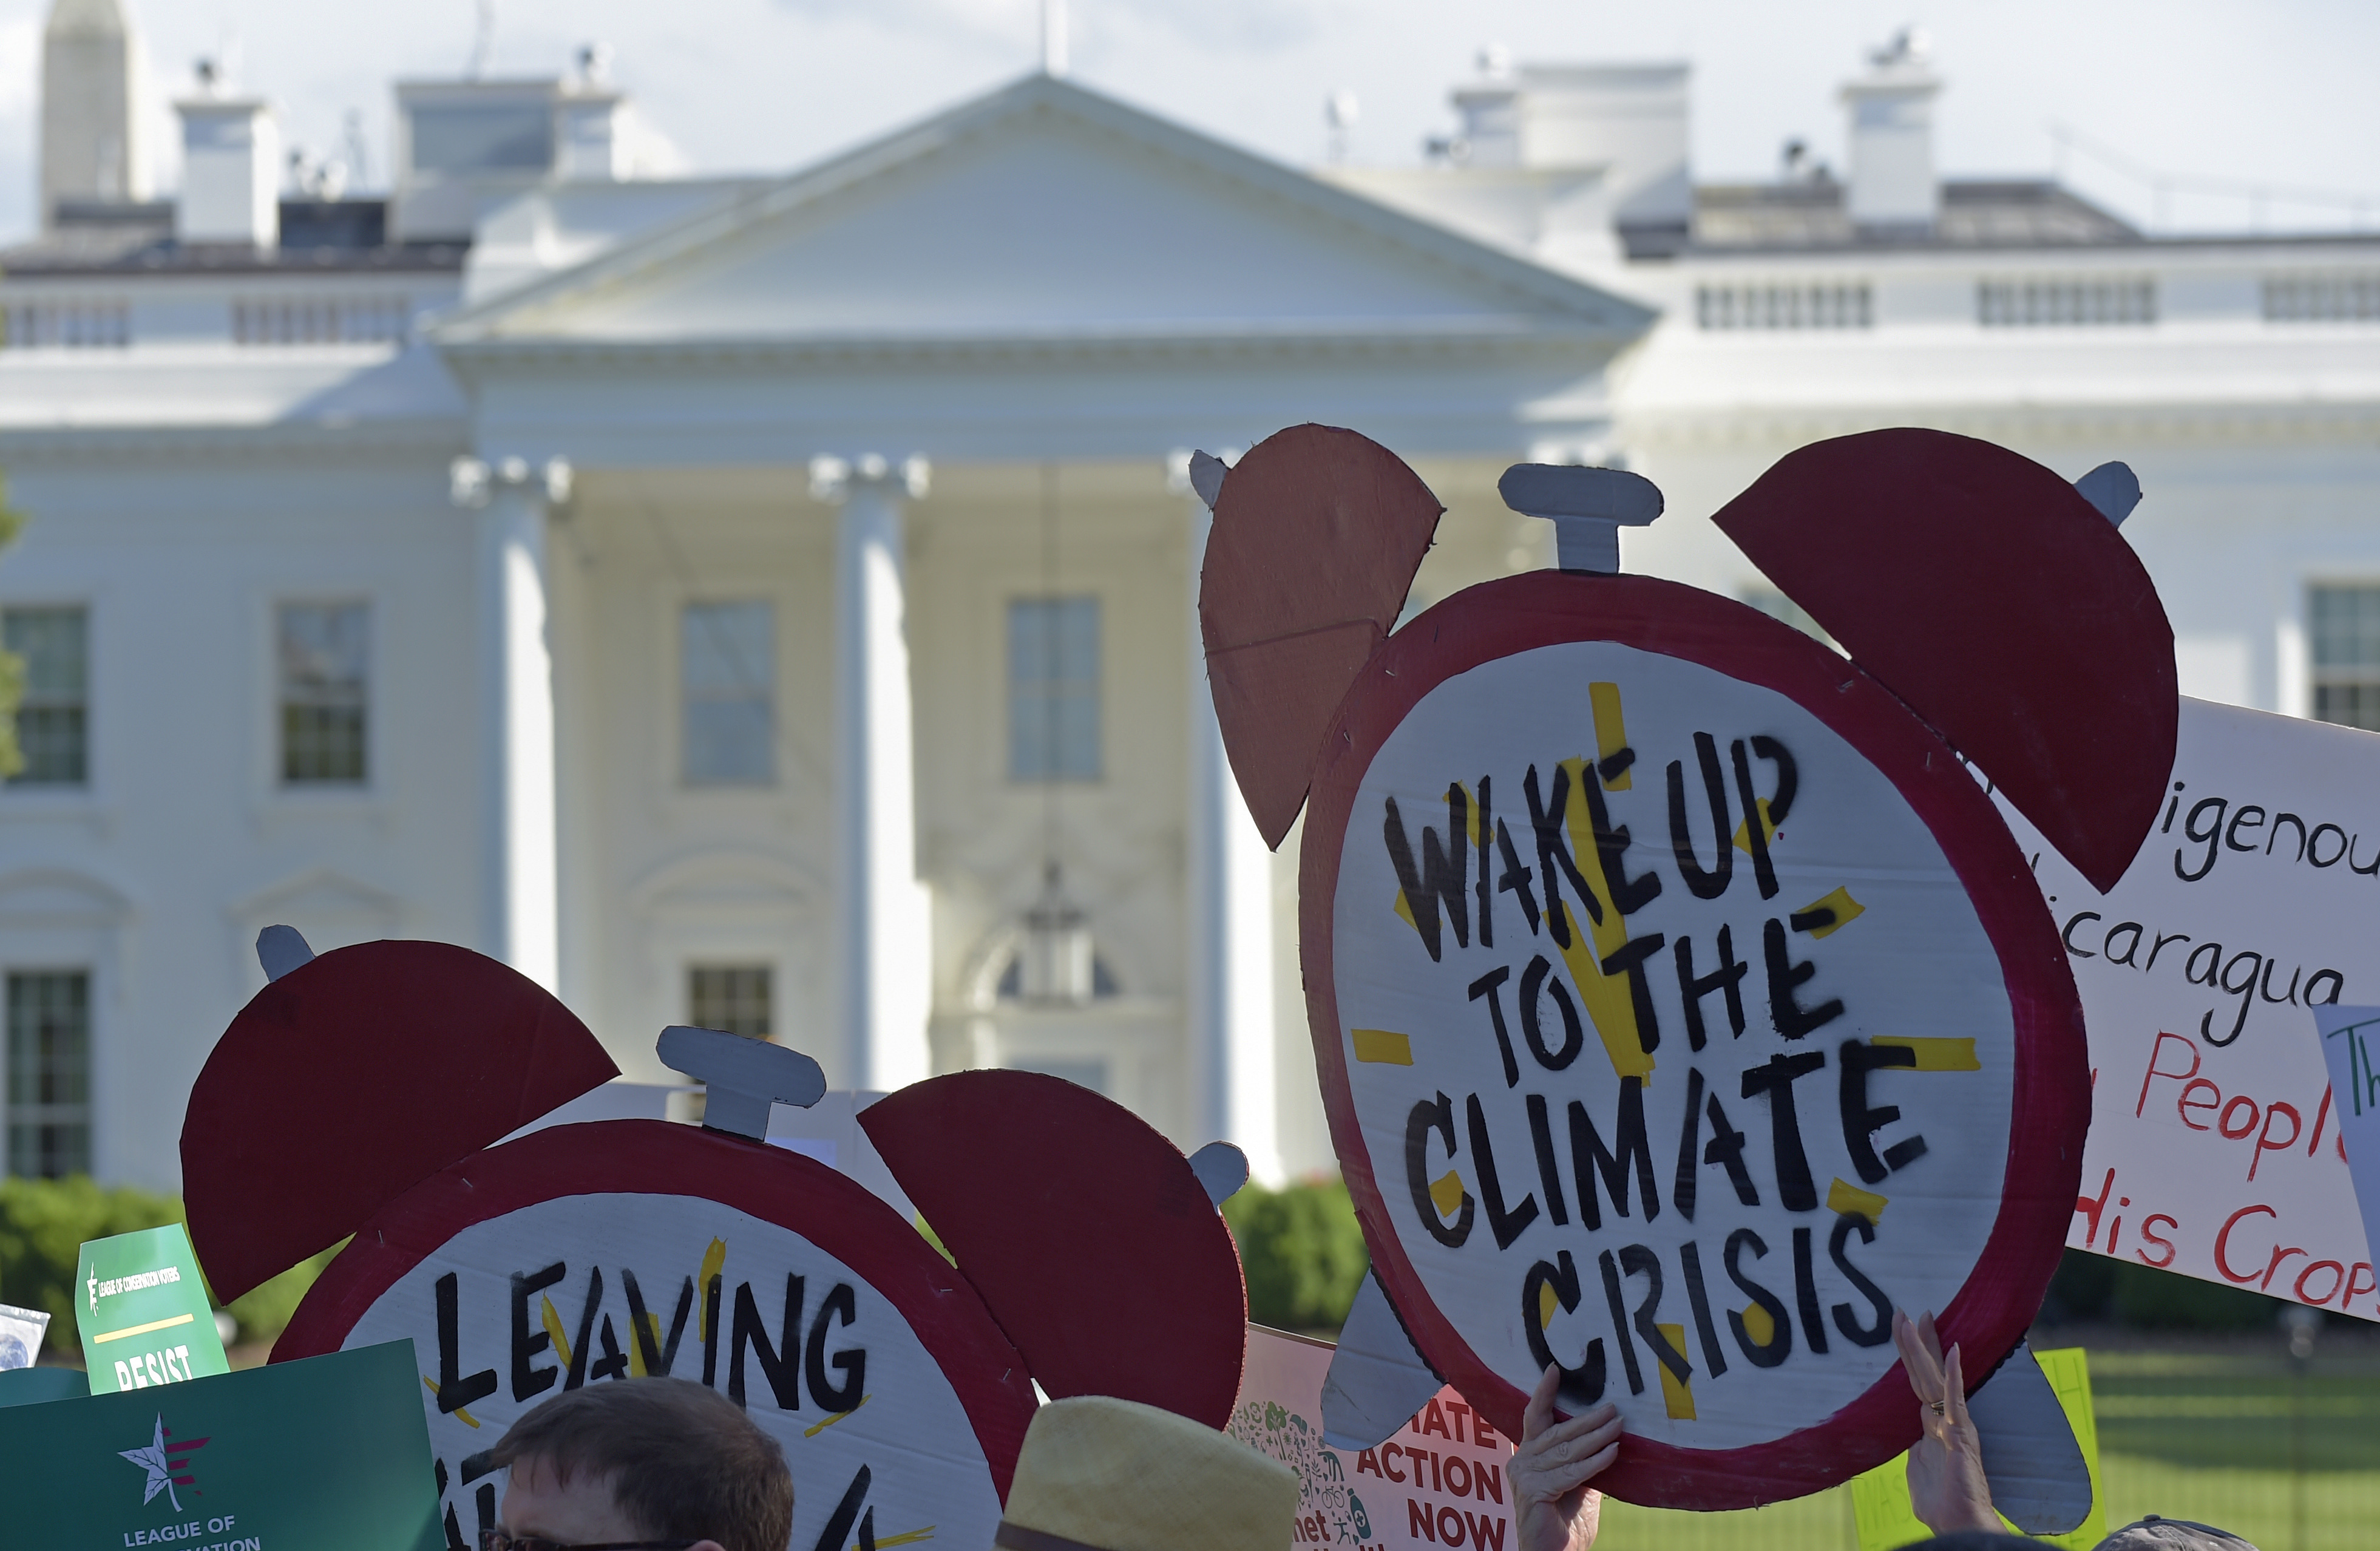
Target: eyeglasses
(496,1540)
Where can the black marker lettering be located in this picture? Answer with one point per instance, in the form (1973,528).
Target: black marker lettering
(1702,885)
(1726,979)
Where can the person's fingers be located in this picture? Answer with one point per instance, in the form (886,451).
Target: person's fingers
(1570,1429)
(1562,1481)
(1602,1428)
(1913,1355)
(1956,1393)
(1924,1367)
(1540,1408)
(1932,1337)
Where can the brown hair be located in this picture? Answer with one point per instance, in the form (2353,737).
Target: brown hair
(685,1461)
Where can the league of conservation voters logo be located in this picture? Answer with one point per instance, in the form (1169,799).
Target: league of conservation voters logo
(166,1465)
(138,1282)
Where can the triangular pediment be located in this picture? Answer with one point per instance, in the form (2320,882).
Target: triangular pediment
(1045,211)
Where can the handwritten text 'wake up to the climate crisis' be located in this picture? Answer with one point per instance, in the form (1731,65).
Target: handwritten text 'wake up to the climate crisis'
(1558,875)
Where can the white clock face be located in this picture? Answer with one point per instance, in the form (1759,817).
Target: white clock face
(1760,1102)
(515,1310)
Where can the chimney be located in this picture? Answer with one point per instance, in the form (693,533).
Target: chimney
(91,79)
(588,145)
(231,173)
(1892,181)
(1491,112)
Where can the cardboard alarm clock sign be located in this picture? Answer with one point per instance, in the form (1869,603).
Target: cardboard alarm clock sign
(787,1288)
(1683,1006)
(898,1376)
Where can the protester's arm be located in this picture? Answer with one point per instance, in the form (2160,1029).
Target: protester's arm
(1553,1506)
(1946,1465)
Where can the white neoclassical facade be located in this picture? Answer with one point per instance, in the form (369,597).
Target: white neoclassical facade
(767,603)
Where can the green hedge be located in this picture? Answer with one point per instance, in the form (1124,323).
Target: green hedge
(44,1223)
(1303,1253)
(2092,1286)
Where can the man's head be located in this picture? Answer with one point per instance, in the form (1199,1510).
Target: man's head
(644,1459)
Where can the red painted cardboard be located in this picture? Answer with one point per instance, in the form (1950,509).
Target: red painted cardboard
(1317,535)
(1999,605)
(347,1081)
(1083,1228)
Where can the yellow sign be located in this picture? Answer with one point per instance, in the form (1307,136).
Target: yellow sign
(1880,1497)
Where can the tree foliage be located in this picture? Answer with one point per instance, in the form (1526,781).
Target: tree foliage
(44,1223)
(1302,1252)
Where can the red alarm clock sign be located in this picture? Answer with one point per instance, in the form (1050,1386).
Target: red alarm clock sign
(587,1253)
(1683,1008)
(898,1376)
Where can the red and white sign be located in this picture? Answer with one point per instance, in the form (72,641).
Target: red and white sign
(589,1253)
(2215,1145)
(1439,1483)
(1684,1099)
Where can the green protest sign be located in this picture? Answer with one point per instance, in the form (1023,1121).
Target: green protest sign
(327,1452)
(142,1309)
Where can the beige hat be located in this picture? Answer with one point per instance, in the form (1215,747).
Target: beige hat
(1102,1474)
(2153,1533)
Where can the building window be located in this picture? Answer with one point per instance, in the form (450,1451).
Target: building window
(733,999)
(2345,624)
(1054,689)
(1817,304)
(68,323)
(49,1073)
(2323,298)
(54,718)
(2065,303)
(727,667)
(298,320)
(324,651)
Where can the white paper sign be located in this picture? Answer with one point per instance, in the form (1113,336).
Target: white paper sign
(2214,1145)
(2351,1042)
(1440,1482)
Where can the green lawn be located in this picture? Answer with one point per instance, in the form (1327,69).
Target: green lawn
(2203,1435)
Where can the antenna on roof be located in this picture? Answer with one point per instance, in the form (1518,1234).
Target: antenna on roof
(483,41)
(1054,37)
(1341,110)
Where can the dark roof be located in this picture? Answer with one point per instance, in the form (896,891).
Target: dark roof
(120,241)
(1810,214)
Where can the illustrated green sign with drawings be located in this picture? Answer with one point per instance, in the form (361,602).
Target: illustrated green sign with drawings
(1438,1482)
(141,1307)
(328,1451)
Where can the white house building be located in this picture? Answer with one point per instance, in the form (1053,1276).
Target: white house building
(766,603)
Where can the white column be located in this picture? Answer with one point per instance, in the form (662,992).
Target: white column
(1231,988)
(521,902)
(886,958)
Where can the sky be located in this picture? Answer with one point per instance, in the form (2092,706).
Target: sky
(2277,93)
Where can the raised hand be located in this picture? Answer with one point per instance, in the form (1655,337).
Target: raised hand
(1946,1465)
(1554,1509)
